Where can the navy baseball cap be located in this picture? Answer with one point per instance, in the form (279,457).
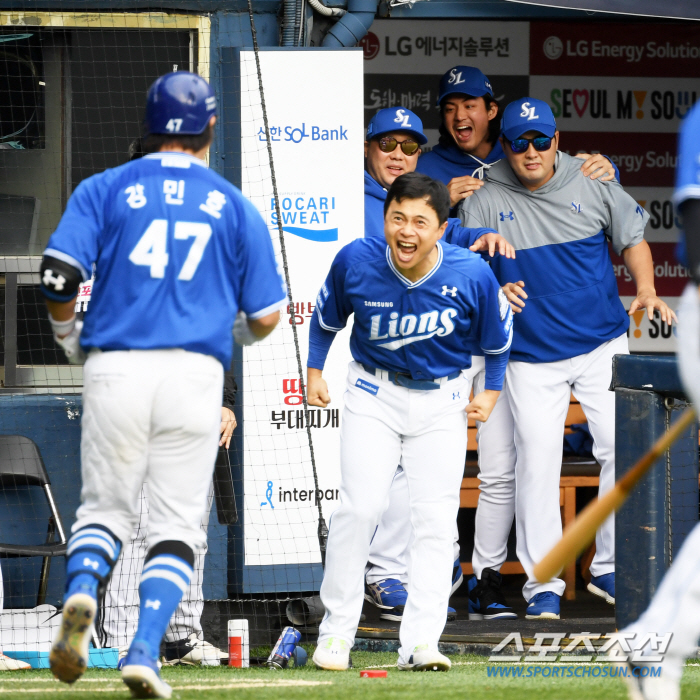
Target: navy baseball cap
(464,80)
(527,114)
(387,121)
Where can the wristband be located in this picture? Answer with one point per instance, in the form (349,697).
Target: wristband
(62,328)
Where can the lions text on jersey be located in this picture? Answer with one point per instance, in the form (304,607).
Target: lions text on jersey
(422,328)
(178,252)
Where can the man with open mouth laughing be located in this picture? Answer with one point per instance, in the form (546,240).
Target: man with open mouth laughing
(418,305)
(394,138)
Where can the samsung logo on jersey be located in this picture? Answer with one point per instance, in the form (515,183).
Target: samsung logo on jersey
(411,328)
(379,303)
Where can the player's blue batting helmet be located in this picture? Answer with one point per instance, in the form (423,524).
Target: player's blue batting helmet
(179,103)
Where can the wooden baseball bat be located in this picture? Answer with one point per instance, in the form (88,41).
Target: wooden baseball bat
(582,531)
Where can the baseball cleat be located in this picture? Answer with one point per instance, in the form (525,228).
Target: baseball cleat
(604,587)
(543,606)
(386,594)
(393,614)
(457,576)
(648,688)
(424,658)
(9,664)
(332,654)
(486,601)
(192,651)
(140,673)
(451,614)
(69,654)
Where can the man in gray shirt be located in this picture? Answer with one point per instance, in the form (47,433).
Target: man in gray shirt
(564,339)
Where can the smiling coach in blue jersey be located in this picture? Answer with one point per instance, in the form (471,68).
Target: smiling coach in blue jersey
(560,222)
(416,303)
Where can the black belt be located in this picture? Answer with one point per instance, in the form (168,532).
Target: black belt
(405,380)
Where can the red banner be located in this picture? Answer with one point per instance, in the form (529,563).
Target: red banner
(670,277)
(644,160)
(602,48)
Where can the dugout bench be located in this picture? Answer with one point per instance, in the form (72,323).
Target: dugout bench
(576,472)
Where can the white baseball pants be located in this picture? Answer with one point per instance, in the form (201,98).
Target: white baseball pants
(496,508)
(388,554)
(539,395)
(675,607)
(121,604)
(149,416)
(425,432)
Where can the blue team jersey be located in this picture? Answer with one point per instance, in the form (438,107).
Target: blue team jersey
(688,170)
(422,328)
(177,252)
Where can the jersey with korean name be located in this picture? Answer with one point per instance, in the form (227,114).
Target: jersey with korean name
(177,250)
(422,328)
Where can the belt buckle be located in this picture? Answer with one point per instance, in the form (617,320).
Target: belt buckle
(400,374)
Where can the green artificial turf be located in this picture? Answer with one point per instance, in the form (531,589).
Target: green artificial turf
(468,680)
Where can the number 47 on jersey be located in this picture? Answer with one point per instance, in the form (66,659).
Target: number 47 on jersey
(152,248)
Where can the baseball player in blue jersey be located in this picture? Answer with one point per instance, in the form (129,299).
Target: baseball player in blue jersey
(468,147)
(178,253)
(673,616)
(573,323)
(415,302)
(392,148)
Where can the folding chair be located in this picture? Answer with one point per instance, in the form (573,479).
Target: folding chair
(21,465)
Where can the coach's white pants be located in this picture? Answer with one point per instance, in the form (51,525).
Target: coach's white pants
(121,604)
(149,416)
(496,508)
(425,432)
(539,395)
(675,607)
(388,552)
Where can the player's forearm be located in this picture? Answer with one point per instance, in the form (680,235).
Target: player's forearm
(496,370)
(320,341)
(639,262)
(61,310)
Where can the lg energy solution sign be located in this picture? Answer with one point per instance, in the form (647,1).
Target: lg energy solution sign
(316,130)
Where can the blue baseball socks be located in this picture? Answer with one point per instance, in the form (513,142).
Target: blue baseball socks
(92,553)
(166,575)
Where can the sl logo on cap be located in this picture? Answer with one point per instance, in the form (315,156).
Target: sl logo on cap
(402,118)
(455,78)
(528,112)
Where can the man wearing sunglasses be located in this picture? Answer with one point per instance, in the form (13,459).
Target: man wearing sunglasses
(560,223)
(394,138)
(469,130)
(468,147)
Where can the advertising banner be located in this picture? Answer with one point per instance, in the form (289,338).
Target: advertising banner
(617,104)
(317,137)
(614,48)
(617,88)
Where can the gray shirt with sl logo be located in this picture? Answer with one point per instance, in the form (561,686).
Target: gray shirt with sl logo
(569,207)
(560,232)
